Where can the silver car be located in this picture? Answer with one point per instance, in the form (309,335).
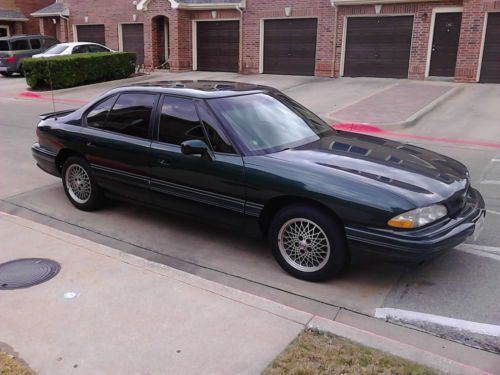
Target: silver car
(14,49)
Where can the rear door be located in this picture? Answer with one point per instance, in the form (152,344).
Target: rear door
(117,140)
(208,187)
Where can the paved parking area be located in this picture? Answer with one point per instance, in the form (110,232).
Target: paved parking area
(461,285)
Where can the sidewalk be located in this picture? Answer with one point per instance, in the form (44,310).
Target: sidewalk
(139,317)
(399,105)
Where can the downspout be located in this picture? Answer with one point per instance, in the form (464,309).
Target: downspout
(240,62)
(67,23)
(334,51)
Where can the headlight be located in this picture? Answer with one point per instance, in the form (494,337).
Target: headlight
(419,217)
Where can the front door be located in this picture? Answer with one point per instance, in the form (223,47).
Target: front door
(445,44)
(210,186)
(117,141)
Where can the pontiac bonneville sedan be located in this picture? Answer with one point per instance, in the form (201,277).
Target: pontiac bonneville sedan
(250,158)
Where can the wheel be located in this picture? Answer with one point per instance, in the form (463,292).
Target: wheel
(308,242)
(6,74)
(79,184)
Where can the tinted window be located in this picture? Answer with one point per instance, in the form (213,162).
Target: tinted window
(35,43)
(96,48)
(49,42)
(19,45)
(131,115)
(98,115)
(4,45)
(179,121)
(81,49)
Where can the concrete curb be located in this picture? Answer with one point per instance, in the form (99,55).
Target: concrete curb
(413,119)
(118,82)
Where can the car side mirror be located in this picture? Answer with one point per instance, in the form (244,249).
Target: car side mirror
(195,147)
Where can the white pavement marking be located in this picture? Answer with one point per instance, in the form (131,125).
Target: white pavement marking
(479,250)
(493,212)
(413,316)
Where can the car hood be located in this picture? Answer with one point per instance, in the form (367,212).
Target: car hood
(420,175)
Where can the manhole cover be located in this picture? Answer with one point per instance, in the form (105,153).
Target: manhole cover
(23,273)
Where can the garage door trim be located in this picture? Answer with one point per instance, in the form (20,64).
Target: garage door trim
(431,33)
(344,33)
(261,35)
(194,37)
(75,29)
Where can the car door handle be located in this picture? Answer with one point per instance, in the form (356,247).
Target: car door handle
(165,163)
(90,144)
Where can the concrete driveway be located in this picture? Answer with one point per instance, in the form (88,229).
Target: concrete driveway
(462,285)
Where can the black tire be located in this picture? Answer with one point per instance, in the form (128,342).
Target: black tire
(329,235)
(85,200)
(6,74)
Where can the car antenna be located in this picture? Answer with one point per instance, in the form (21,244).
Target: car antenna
(51,89)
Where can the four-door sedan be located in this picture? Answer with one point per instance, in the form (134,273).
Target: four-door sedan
(249,157)
(64,49)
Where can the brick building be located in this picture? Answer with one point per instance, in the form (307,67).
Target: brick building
(15,16)
(459,39)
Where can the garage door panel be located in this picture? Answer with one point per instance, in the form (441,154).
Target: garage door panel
(378,46)
(218,46)
(133,40)
(91,33)
(290,46)
(490,69)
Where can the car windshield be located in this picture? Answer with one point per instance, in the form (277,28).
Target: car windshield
(4,45)
(57,49)
(265,124)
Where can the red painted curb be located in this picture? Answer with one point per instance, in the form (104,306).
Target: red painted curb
(28,95)
(371,129)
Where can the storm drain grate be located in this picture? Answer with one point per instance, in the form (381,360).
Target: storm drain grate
(23,273)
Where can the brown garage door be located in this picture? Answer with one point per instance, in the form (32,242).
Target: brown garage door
(378,46)
(490,70)
(290,46)
(133,40)
(91,33)
(217,46)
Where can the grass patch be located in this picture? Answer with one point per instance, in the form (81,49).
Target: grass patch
(315,353)
(10,366)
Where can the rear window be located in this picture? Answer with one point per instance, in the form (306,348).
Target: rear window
(4,45)
(57,49)
(19,45)
(35,43)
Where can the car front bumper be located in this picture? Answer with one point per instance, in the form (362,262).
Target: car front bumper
(423,243)
(45,159)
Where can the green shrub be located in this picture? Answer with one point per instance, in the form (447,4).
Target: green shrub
(79,69)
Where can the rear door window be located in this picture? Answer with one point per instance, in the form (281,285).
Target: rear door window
(4,45)
(131,114)
(96,48)
(20,45)
(35,43)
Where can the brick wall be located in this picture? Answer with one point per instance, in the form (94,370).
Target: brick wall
(27,7)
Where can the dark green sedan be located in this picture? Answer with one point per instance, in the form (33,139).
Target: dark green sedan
(250,158)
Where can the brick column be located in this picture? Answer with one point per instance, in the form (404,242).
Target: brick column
(62,32)
(41,22)
(180,42)
(469,47)
(18,28)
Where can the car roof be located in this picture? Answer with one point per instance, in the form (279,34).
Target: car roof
(23,36)
(73,44)
(203,89)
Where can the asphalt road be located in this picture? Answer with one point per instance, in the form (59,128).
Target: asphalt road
(462,284)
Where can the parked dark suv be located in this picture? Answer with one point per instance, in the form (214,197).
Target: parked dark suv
(14,49)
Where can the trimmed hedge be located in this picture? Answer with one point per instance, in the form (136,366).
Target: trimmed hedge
(79,69)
